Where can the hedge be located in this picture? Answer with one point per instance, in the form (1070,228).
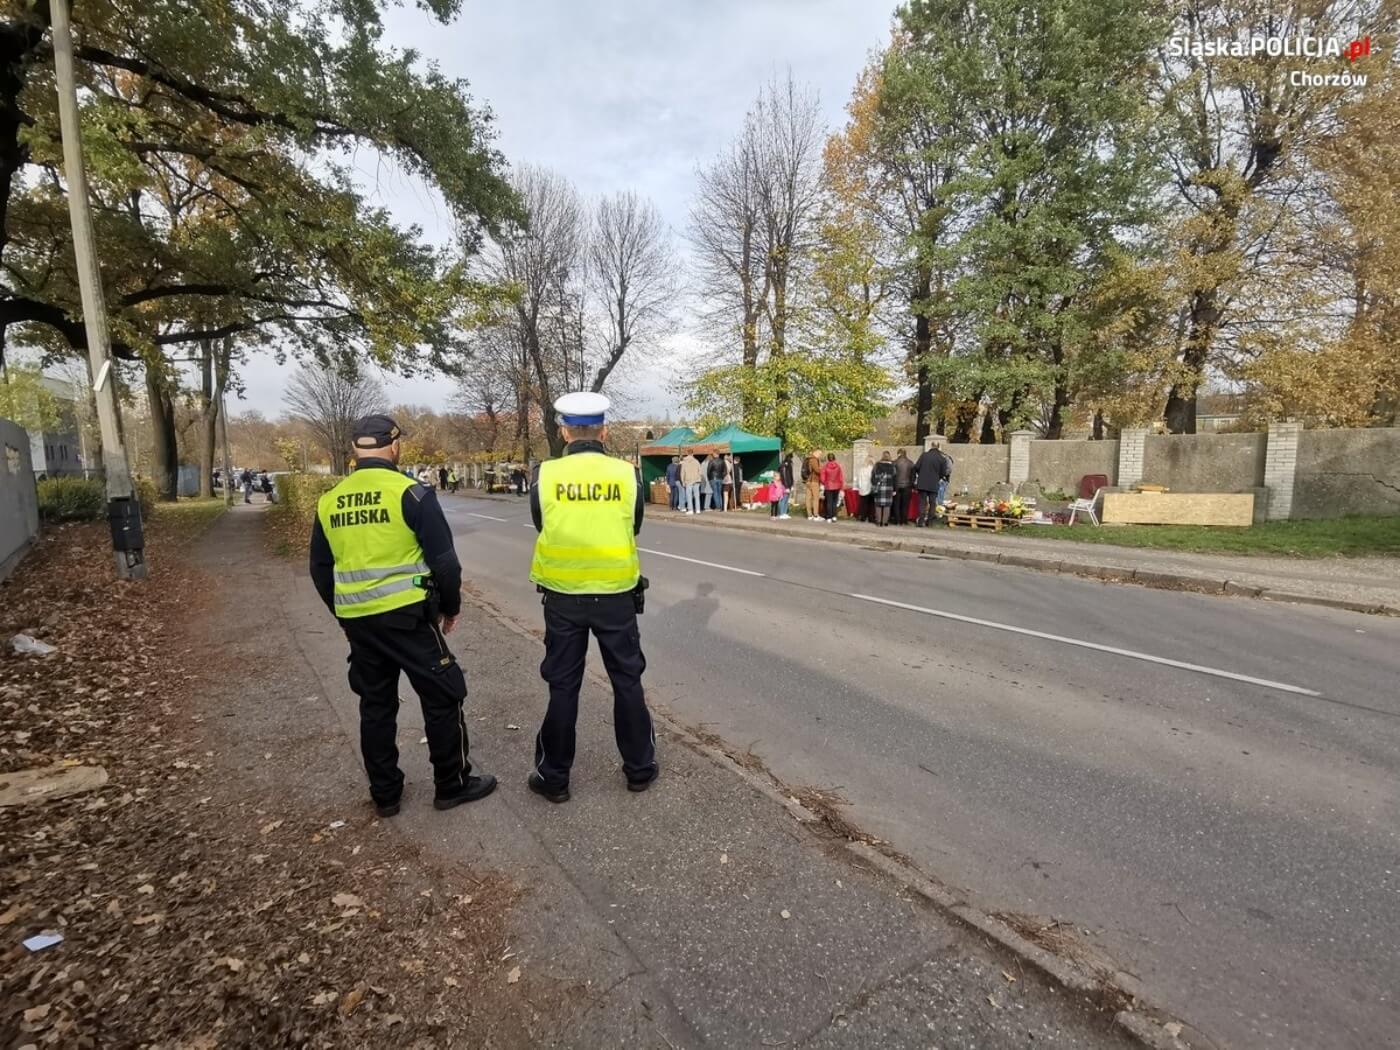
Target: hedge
(71,498)
(291,516)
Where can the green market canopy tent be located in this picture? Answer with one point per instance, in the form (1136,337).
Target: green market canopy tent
(656,454)
(755,454)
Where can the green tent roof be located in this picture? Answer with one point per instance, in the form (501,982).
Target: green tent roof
(740,440)
(668,444)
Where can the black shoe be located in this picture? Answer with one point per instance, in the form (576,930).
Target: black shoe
(645,782)
(475,788)
(387,809)
(536,783)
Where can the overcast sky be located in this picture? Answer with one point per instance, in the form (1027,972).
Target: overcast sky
(617,94)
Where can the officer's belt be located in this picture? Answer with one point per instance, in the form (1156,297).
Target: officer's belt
(368,575)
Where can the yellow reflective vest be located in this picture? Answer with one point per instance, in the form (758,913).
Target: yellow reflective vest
(376,554)
(586,544)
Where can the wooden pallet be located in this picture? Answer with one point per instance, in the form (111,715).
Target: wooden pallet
(980,521)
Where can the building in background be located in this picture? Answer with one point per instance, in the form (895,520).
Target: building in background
(59,449)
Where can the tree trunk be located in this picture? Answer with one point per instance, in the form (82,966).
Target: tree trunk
(989,430)
(214,362)
(966,420)
(919,351)
(1056,424)
(165,455)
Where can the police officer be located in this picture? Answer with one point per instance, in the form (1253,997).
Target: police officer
(382,560)
(587,507)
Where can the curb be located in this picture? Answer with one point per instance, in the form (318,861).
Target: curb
(1110,573)
(1140,1020)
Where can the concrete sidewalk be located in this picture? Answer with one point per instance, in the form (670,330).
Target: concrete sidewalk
(697,914)
(1369,585)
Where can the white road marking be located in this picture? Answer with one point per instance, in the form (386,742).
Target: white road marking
(488,517)
(1131,654)
(697,561)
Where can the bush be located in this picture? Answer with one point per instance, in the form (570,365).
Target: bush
(72,499)
(146,494)
(295,509)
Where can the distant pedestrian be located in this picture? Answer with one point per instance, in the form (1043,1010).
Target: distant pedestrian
(442,479)
(903,488)
(812,481)
(425,477)
(777,492)
(692,477)
(833,483)
(785,475)
(882,489)
(864,473)
(267,488)
(246,480)
(453,480)
(519,476)
(736,476)
(728,480)
(928,475)
(673,481)
(714,474)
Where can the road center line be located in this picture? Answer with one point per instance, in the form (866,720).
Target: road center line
(697,561)
(1131,654)
(488,517)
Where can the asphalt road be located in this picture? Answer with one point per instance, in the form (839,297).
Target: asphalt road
(1207,788)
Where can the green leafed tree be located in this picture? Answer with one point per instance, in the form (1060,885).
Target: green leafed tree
(221,138)
(826,400)
(1051,106)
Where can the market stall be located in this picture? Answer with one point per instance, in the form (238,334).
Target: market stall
(656,454)
(756,454)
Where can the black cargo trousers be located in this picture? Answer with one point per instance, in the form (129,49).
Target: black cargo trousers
(407,640)
(568,621)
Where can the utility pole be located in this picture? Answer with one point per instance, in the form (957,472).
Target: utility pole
(123,509)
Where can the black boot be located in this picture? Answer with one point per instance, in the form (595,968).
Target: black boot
(475,788)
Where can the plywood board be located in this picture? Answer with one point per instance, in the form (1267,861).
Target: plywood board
(1179,508)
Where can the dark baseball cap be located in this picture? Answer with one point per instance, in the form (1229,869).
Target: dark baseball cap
(376,432)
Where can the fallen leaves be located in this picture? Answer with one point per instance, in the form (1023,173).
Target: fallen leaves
(352,1000)
(514,976)
(347,900)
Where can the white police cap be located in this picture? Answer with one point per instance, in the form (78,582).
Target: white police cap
(582,409)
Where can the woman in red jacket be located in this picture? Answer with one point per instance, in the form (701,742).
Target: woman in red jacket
(833,481)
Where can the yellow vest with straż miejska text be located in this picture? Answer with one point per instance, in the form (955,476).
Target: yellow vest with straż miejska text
(376,553)
(586,543)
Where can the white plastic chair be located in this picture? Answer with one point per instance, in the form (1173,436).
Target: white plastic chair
(1086,506)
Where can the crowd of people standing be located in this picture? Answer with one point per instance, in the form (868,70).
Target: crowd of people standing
(885,487)
(715,484)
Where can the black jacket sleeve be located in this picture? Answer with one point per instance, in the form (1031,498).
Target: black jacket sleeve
(640,508)
(536,515)
(423,514)
(322,565)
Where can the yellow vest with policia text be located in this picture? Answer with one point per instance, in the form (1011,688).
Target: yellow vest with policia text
(376,554)
(586,544)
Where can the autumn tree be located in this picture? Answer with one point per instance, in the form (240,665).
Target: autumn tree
(199,118)
(1350,376)
(1237,131)
(328,401)
(589,287)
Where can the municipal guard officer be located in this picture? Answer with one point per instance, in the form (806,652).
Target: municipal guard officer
(382,560)
(587,507)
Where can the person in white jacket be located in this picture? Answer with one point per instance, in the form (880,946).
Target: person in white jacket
(863,475)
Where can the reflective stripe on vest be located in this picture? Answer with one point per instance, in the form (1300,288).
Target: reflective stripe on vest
(376,554)
(586,544)
(366,575)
